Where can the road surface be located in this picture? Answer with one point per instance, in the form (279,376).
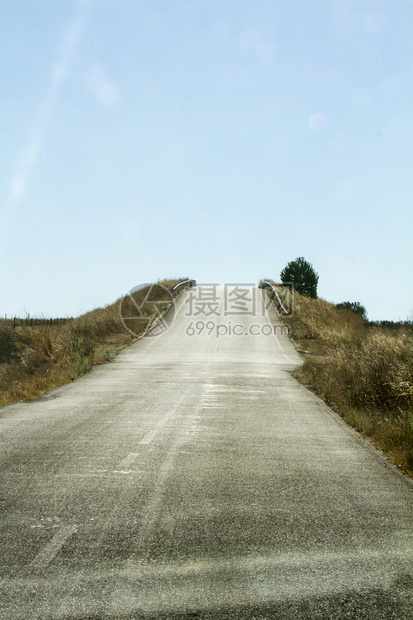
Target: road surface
(193,477)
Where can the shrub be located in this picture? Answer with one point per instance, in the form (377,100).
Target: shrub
(354,306)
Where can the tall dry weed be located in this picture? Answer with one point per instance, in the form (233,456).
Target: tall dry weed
(365,371)
(33,359)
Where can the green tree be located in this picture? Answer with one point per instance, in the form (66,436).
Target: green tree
(301,274)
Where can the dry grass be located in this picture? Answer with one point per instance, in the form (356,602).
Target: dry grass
(363,370)
(36,358)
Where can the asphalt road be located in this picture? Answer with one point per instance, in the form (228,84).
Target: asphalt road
(193,477)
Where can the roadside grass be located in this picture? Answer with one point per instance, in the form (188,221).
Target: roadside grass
(363,370)
(36,358)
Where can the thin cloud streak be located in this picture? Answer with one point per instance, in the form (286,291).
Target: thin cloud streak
(69,44)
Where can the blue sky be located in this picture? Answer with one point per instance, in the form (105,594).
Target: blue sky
(218,139)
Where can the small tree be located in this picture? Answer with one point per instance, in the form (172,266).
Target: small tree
(302,275)
(354,306)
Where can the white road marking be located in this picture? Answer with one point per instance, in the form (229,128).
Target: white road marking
(282,351)
(275,335)
(149,436)
(212,406)
(53,547)
(131,458)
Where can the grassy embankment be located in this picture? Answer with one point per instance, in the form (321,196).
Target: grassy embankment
(36,358)
(363,370)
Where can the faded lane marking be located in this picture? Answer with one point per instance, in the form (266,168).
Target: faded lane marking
(131,458)
(149,436)
(160,425)
(53,547)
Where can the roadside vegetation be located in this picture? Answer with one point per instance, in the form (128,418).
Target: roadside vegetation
(362,369)
(37,357)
